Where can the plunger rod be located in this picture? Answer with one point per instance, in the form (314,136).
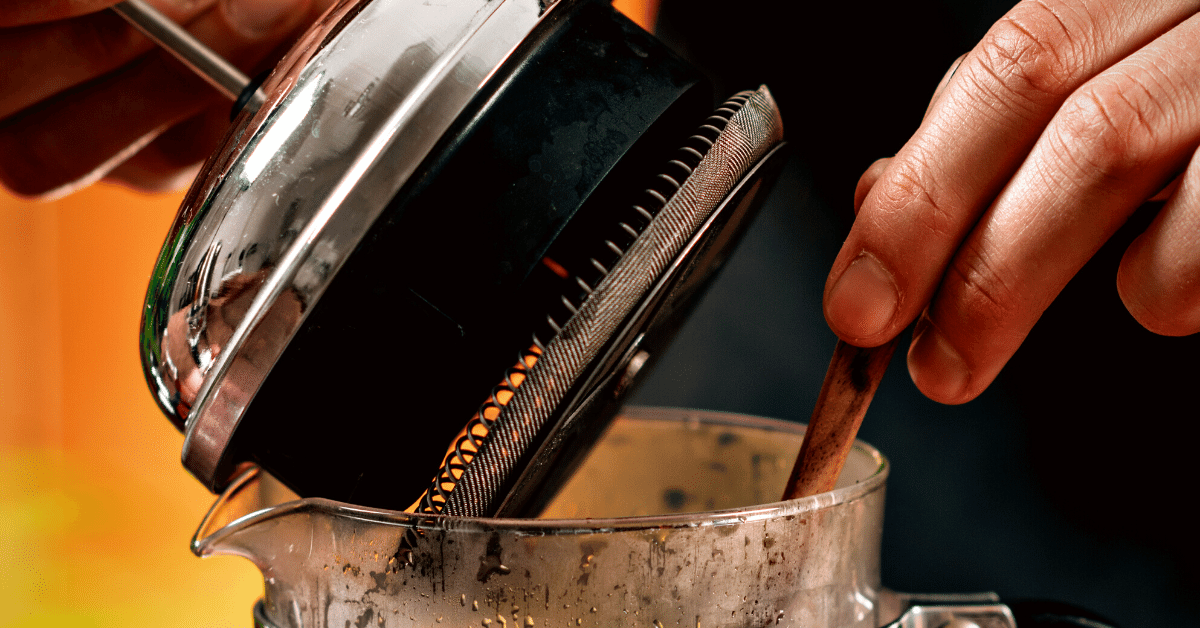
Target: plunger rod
(201,59)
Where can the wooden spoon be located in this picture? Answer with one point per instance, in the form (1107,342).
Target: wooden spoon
(850,383)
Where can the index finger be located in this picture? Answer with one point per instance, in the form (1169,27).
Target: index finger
(976,135)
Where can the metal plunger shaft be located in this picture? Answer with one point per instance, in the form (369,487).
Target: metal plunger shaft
(201,59)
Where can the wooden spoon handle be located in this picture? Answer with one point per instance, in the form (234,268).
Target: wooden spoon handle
(850,383)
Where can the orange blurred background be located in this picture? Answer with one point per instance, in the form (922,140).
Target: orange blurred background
(95,509)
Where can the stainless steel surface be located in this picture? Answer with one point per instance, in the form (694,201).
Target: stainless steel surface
(200,58)
(671,521)
(350,113)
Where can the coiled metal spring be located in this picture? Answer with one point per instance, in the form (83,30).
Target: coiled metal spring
(467,444)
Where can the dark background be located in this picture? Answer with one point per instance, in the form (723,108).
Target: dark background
(1071,477)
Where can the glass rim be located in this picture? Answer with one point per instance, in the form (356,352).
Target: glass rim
(575,526)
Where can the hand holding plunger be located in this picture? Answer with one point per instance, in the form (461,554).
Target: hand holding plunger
(850,383)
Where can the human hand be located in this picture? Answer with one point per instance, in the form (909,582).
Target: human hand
(1065,118)
(85,96)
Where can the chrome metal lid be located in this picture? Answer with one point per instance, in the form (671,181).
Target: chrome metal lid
(351,112)
(363,115)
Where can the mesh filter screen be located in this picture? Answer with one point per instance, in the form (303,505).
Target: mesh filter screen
(740,133)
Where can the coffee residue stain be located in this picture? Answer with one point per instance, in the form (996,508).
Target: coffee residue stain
(492,563)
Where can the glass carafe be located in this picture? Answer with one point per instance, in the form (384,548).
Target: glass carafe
(672,520)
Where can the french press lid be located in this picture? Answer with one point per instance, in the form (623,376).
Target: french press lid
(443,205)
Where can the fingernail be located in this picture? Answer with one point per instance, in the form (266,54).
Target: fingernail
(936,368)
(864,299)
(260,17)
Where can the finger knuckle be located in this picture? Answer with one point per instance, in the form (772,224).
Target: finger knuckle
(1035,53)
(1113,127)
(1156,304)
(909,190)
(982,292)
(1159,320)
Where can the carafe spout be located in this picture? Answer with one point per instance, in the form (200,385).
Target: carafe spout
(245,519)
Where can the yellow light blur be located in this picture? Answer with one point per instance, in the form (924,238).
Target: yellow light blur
(95,509)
